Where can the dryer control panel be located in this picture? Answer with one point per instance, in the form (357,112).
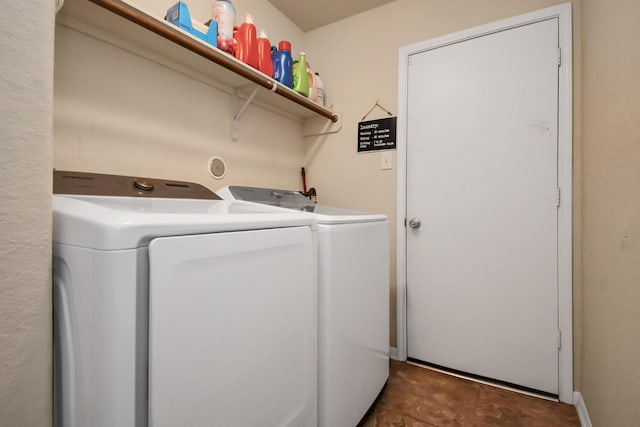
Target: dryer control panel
(96,184)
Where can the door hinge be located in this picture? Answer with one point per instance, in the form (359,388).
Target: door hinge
(559,339)
(559,56)
(557,197)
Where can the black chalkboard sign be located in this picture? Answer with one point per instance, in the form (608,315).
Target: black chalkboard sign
(377,134)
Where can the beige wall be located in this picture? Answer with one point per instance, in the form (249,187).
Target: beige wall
(100,126)
(611,211)
(606,158)
(358,61)
(25,213)
(118,112)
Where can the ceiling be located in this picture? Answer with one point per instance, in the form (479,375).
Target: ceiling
(312,14)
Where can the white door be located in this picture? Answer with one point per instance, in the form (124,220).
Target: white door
(482,176)
(232,329)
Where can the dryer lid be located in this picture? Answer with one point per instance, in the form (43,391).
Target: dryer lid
(114,223)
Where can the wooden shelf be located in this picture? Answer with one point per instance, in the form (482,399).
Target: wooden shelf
(155,35)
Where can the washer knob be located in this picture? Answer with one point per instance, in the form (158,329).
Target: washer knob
(143,185)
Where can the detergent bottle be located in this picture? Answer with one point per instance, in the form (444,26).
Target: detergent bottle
(246,46)
(320,90)
(300,78)
(265,64)
(224,14)
(313,88)
(282,63)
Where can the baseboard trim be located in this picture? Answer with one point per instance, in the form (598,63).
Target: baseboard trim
(393,353)
(581,408)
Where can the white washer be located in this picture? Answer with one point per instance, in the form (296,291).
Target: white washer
(180,312)
(353,296)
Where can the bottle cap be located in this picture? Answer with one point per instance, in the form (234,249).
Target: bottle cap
(248,18)
(284,45)
(263,34)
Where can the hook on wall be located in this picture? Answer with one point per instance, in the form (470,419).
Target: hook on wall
(377,104)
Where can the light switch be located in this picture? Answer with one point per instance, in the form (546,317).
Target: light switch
(386,160)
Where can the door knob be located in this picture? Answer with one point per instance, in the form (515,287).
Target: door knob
(415,223)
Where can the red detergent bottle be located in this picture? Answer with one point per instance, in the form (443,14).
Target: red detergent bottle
(265,63)
(246,47)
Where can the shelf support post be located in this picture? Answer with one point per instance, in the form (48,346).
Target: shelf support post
(237,110)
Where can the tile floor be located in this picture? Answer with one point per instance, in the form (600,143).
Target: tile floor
(420,397)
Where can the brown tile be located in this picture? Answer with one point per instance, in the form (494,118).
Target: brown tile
(416,396)
(435,385)
(394,366)
(498,407)
(381,417)
(429,397)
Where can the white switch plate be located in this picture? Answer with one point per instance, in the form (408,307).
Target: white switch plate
(386,160)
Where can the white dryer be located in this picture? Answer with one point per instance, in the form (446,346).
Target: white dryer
(353,297)
(173,311)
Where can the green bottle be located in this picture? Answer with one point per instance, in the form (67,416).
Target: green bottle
(300,78)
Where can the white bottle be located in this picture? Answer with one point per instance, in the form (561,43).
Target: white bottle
(320,90)
(313,90)
(224,14)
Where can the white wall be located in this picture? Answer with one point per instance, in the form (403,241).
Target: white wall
(118,112)
(26,77)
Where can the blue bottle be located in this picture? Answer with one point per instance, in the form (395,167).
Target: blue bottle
(282,63)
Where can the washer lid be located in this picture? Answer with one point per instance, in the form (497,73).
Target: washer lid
(113,223)
(296,201)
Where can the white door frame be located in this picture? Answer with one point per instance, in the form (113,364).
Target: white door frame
(565,175)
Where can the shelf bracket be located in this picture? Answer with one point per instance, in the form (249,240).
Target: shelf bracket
(319,126)
(238,110)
